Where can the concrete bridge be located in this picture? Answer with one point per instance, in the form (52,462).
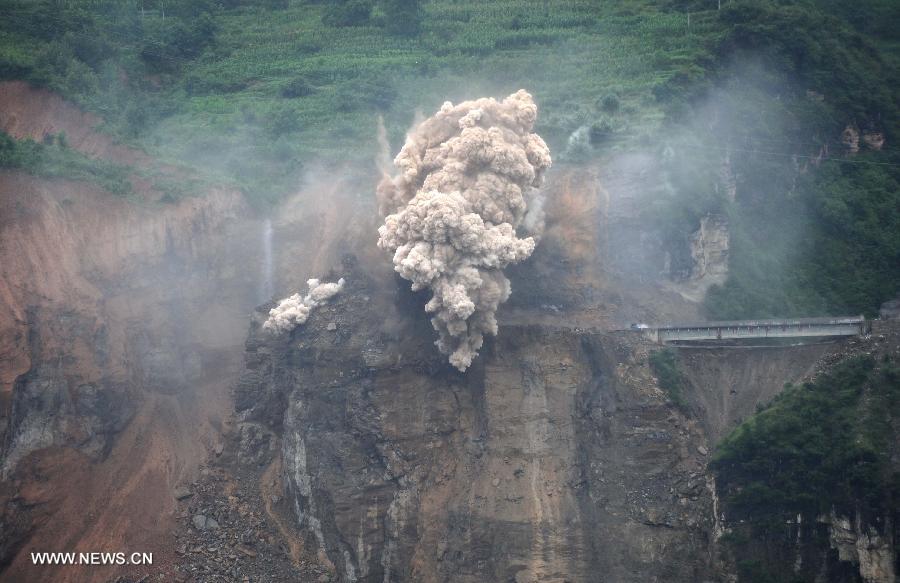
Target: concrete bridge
(740,329)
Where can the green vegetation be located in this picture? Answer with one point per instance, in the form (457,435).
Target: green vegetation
(254,92)
(825,445)
(54,159)
(815,230)
(664,364)
(403,17)
(348,13)
(832,246)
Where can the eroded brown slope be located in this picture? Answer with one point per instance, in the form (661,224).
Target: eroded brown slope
(114,311)
(31,112)
(121,326)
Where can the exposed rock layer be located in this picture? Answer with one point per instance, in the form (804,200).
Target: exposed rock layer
(556,459)
(112,344)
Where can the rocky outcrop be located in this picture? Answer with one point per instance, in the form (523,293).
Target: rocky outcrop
(850,139)
(709,249)
(874,140)
(47,410)
(104,300)
(556,457)
(870,550)
(890,310)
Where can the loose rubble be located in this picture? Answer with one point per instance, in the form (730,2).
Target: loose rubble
(225,533)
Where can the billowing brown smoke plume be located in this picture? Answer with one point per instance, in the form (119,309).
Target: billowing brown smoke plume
(294,310)
(466,177)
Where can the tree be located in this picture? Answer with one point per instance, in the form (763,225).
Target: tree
(403,16)
(348,13)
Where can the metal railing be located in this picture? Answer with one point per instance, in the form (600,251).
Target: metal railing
(739,329)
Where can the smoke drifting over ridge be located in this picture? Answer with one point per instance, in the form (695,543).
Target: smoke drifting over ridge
(466,178)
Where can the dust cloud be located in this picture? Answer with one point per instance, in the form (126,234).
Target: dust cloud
(466,178)
(294,310)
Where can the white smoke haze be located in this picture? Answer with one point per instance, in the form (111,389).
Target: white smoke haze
(383,157)
(294,310)
(466,178)
(578,145)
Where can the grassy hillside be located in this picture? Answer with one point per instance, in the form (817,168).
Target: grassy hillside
(254,91)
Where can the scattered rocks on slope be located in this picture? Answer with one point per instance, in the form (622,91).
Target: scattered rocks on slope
(182,492)
(226,535)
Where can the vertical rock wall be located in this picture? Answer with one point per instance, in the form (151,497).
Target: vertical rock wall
(555,458)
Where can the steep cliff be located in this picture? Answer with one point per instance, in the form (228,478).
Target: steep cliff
(555,458)
(121,325)
(115,315)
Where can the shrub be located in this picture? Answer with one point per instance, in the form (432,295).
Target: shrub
(297,87)
(609,103)
(348,13)
(600,132)
(403,17)
(664,364)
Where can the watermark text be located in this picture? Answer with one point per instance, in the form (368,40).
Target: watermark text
(98,558)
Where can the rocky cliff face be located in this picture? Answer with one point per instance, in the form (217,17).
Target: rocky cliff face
(120,320)
(104,299)
(709,249)
(121,326)
(708,265)
(555,458)
(863,546)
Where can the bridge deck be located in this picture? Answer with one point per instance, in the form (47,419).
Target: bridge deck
(738,329)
